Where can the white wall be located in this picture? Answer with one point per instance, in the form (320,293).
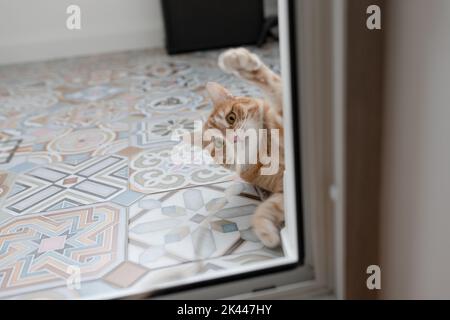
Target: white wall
(415,215)
(35,30)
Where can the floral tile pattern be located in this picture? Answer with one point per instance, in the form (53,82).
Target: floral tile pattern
(156,171)
(159,132)
(88,183)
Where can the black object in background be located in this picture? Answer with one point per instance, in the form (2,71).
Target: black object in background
(208,24)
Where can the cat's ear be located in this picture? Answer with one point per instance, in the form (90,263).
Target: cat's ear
(217,92)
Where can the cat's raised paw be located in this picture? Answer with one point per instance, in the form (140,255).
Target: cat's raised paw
(239,60)
(267,232)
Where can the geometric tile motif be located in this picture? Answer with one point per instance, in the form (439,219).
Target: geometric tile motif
(71,114)
(59,185)
(74,146)
(128,274)
(162,132)
(212,267)
(156,171)
(170,102)
(36,251)
(81,141)
(182,225)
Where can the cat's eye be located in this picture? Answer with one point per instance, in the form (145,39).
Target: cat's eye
(231,117)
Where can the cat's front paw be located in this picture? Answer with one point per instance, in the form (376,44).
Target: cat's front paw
(267,232)
(239,60)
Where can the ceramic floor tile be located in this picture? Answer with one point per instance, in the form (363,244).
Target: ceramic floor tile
(87,179)
(162,170)
(192,224)
(41,251)
(159,132)
(145,280)
(61,185)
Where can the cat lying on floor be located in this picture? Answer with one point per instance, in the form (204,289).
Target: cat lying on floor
(245,113)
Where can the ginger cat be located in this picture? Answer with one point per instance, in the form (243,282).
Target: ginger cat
(245,113)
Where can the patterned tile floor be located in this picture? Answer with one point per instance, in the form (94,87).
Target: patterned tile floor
(90,203)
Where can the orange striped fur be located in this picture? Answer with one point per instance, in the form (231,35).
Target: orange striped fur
(253,113)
